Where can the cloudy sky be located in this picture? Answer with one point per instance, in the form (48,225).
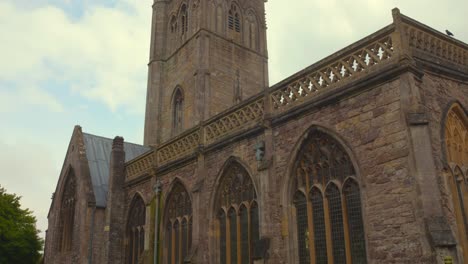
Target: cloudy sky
(68,62)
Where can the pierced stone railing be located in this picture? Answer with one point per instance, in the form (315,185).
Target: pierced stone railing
(179,147)
(344,68)
(436,45)
(231,122)
(141,165)
(389,45)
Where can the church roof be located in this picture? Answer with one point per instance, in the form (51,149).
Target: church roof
(98,151)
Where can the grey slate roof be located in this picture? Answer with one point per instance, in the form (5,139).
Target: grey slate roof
(98,150)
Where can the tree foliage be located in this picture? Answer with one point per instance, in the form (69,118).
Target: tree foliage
(19,238)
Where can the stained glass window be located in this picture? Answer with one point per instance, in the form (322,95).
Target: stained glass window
(178,219)
(135,230)
(323,163)
(235,199)
(456,143)
(67,213)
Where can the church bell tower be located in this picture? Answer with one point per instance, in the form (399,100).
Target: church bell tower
(205,56)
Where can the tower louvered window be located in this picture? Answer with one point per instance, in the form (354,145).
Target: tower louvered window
(234,23)
(238,225)
(456,142)
(328,204)
(135,231)
(67,213)
(178,222)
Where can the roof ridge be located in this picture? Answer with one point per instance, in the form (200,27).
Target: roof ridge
(125,142)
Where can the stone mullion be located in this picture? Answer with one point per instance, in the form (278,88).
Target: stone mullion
(328,231)
(346,230)
(310,227)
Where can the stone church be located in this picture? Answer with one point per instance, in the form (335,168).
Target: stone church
(361,157)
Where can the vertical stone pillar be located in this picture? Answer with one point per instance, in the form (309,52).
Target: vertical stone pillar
(115,218)
(155,73)
(436,235)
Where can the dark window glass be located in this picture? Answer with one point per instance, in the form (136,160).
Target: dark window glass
(244,218)
(302,228)
(222,237)
(233,233)
(177,242)
(169,242)
(336,218)
(184,238)
(319,227)
(356,226)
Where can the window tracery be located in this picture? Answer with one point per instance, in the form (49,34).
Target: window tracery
(67,213)
(135,231)
(456,143)
(234,22)
(178,222)
(183,19)
(329,223)
(237,216)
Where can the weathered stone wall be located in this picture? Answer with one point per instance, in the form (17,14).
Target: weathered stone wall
(372,126)
(76,160)
(439,93)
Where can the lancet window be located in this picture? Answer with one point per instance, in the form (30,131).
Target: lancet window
(456,142)
(178,226)
(183,19)
(177,111)
(251,31)
(135,231)
(234,23)
(237,216)
(67,213)
(328,204)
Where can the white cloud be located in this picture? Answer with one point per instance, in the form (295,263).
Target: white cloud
(101,56)
(30,170)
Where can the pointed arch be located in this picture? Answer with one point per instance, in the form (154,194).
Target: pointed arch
(455,145)
(183,19)
(251,30)
(178,110)
(234,21)
(135,230)
(67,211)
(334,230)
(237,214)
(177,220)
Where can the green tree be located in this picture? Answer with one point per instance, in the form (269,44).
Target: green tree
(19,238)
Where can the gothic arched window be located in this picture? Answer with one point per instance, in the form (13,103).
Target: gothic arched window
(456,142)
(67,213)
(183,19)
(177,111)
(328,204)
(251,31)
(178,223)
(135,231)
(237,216)
(234,22)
